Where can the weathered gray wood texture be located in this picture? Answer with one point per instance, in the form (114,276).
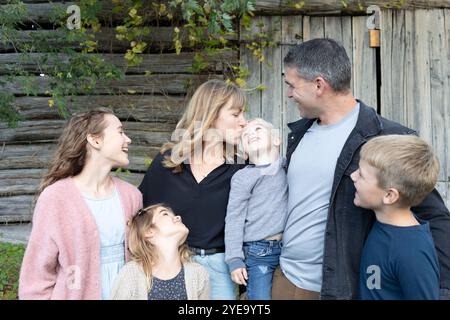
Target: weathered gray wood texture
(415,83)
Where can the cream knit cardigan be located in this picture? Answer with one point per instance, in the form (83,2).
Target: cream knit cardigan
(131,284)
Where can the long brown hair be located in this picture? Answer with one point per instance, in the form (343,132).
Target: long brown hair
(71,153)
(201,112)
(143,251)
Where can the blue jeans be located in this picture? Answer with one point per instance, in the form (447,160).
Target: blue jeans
(222,287)
(261,259)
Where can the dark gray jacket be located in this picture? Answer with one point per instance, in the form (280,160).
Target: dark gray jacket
(348,226)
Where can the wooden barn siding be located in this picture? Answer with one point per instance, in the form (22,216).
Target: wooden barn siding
(415,85)
(149,114)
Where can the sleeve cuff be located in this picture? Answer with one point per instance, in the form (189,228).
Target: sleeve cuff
(235,263)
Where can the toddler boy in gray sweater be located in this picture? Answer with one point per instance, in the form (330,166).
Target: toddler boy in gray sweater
(256,211)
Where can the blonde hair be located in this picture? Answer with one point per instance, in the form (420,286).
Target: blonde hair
(203,109)
(71,152)
(143,251)
(404,162)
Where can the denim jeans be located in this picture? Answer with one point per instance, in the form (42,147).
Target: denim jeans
(261,259)
(222,287)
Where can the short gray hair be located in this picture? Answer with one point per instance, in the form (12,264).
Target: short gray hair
(321,57)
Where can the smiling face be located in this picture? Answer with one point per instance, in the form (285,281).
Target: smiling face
(168,225)
(368,194)
(113,145)
(229,123)
(303,93)
(257,138)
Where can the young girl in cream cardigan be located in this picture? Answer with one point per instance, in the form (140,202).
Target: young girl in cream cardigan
(78,239)
(160,268)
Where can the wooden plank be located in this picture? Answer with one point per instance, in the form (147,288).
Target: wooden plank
(150,84)
(340,29)
(394,42)
(26,181)
(155,63)
(364,66)
(419,87)
(26,156)
(291,34)
(21,181)
(15,233)
(271,76)
(272,7)
(446,88)
(277,7)
(252,64)
(440,88)
(16,208)
(317,27)
(37,156)
(43,130)
(159,38)
(148,108)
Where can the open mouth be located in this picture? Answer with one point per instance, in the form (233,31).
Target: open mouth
(125,150)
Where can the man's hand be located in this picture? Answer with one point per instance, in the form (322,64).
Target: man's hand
(239,276)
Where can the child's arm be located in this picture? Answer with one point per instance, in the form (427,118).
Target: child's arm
(235,221)
(39,266)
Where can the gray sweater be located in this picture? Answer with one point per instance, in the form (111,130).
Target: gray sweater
(257,208)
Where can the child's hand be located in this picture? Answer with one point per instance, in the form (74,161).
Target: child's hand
(239,276)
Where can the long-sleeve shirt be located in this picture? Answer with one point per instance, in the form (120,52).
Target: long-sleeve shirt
(257,208)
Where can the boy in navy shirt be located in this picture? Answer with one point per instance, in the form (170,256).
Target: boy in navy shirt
(399,259)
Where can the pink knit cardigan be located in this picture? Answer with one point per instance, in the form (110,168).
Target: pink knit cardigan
(62,259)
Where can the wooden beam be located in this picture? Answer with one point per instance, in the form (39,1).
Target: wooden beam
(16,157)
(16,208)
(160,38)
(26,181)
(145,108)
(140,84)
(154,63)
(40,10)
(142,133)
(316,7)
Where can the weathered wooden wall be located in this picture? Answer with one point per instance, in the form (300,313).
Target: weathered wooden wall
(159,87)
(415,90)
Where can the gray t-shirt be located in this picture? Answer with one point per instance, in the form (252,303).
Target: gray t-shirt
(257,208)
(310,179)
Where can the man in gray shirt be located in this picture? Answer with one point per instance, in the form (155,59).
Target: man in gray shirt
(325,232)
(256,212)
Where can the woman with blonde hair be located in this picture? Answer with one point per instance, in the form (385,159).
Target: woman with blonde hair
(78,240)
(160,266)
(192,175)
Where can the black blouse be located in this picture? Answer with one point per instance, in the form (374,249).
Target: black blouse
(202,206)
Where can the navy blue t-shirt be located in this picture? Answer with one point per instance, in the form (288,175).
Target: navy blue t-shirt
(399,263)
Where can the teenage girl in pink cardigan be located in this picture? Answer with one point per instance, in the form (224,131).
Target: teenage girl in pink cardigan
(79,237)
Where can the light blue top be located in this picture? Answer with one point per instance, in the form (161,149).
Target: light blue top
(109,217)
(310,179)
